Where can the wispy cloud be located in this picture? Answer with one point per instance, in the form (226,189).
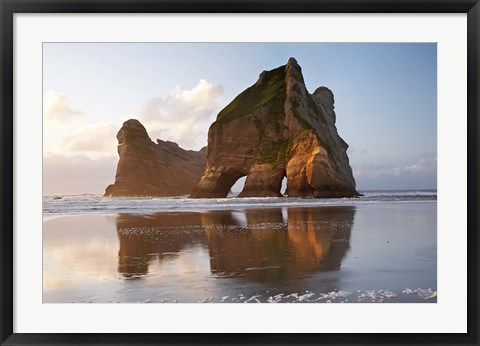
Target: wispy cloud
(182,116)
(94,141)
(421,174)
(354,151)
(57,110)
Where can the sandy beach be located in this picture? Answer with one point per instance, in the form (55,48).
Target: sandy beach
(365,253)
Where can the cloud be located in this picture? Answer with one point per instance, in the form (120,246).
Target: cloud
(94,141)
(77,174)
(84,160)
(354,151)
(421,174)
(183,116)
(57,110)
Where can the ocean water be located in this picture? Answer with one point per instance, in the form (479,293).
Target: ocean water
(92,203)
(379,248)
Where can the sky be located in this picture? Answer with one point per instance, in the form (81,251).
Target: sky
(385,103)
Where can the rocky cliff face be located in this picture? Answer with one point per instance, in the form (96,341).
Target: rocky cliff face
(149,169)
(273,129)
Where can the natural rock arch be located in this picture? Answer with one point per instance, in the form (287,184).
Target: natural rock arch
(275,129)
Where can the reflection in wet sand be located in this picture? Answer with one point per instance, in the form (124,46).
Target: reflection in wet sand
(372,253)
(267,245)
(144,239)
(320,237)
(257,248)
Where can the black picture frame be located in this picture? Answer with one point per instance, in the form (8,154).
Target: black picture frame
(10,7)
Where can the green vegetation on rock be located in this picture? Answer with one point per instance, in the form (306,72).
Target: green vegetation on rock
(258,95)
(327,147)
(277,153)
(301,120)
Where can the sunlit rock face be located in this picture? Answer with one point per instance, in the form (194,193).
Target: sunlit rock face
(273,129)
(149,169)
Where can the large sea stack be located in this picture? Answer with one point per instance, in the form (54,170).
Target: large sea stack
(276,129)
(149,169)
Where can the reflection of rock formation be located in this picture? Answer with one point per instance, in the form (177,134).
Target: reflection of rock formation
(261,245)
(266,249)
(144,239)
(320,237)
(257,249)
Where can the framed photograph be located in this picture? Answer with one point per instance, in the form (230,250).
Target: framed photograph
(239,173)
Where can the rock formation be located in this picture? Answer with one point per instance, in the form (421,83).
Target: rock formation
(273,129)
(149,169)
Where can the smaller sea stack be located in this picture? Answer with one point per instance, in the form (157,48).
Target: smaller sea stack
(159,169)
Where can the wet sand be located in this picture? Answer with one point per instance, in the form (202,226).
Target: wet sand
(367,253)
